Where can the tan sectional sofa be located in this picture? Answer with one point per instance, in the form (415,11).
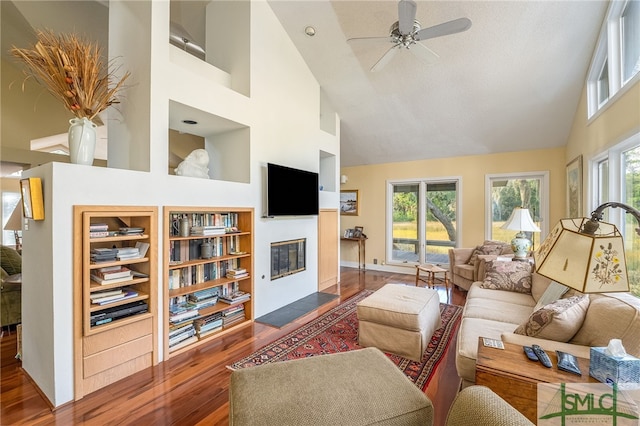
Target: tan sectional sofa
(497,313)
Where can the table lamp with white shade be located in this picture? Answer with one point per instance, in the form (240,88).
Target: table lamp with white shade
(15,224)
(520,221)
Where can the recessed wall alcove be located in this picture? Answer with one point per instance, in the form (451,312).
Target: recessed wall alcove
(226,141)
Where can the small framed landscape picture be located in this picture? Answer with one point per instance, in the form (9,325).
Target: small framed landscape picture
(574,187)
(349,202)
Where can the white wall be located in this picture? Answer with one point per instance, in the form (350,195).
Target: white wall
(283,116)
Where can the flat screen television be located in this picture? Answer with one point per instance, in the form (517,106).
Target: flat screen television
(291,192)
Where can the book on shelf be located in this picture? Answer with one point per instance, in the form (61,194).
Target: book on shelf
(103,281)
(142,248)
(128,294)
(98,255)
(203,294)
(105,293)
(183,343)
(111,272)
(131,230)
(98,227)
(234,298)
(183,316)
(98,234)
(175,330)
(184,334)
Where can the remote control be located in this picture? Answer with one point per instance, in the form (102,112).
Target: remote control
(530,353)
(542,356)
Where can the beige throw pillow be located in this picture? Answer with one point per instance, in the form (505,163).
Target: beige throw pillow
(558,321)
(491,249)
(507,275)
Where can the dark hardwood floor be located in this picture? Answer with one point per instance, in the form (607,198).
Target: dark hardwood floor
(192,388)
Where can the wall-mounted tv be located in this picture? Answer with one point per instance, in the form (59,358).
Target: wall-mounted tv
(291,192)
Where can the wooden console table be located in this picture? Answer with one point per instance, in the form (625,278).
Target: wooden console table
(361,249)
(510,374)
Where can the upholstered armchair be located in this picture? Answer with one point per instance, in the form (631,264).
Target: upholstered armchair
(464,262)
(10,292)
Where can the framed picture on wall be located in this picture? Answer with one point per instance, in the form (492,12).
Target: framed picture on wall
(32,203)
(349,202)
(574,187)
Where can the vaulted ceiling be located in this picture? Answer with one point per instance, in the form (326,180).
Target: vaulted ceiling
(511,82)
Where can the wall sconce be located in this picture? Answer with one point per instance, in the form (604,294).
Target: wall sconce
(343,179)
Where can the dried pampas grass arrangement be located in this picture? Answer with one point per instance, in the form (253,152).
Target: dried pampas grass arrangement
(73,71)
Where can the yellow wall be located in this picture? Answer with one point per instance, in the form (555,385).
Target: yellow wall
(619,121)
(370,181)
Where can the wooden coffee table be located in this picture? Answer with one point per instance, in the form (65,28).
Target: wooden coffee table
(510,374)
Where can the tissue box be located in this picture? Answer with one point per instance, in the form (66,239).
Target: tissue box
(609,369)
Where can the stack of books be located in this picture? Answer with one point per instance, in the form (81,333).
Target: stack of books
(233,315)
(112,296)
(111,274)
(236,274)
(97,230)
(208,325)
(207,230)
(235,297)
(131,231)
(124,253)
(182,313)
(203,298)
(102,255)
(181,336)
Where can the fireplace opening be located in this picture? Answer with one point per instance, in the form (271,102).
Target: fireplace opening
(288,257)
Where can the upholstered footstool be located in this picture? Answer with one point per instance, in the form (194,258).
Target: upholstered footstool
(399,319)
(360,387)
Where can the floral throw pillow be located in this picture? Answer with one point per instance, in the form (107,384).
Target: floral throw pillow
(506,275)
(558,321)
(494,249)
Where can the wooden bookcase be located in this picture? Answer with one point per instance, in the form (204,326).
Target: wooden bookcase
(112,348)
(190,280)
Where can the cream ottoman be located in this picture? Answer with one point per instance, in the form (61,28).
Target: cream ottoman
(399,319)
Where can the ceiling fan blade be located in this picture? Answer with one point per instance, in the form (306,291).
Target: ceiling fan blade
(369,39)
(452,27)
(406,16)
(424,53)
(386,58)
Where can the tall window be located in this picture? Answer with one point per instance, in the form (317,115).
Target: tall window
(630,40)
(506,192)
(616,177)
(603,84)
(423,224)
(616,61)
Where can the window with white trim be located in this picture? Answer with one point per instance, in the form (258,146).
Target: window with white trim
(616,61)
(616,177)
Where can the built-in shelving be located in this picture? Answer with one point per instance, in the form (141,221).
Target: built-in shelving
(208,258)
(115,319)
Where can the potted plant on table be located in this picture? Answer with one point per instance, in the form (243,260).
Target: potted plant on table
(73,71)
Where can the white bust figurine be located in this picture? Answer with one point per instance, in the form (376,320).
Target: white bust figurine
(194,165)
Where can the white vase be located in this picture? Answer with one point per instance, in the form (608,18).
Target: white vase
(82,141)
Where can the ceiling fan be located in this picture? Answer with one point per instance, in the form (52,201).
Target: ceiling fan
(406,32)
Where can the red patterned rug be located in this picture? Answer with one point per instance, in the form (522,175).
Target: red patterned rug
(337,331)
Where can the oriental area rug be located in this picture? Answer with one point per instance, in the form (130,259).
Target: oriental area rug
(337,331)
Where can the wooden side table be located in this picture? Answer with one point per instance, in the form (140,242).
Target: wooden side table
(509,373)
(431,271)
(361,249)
